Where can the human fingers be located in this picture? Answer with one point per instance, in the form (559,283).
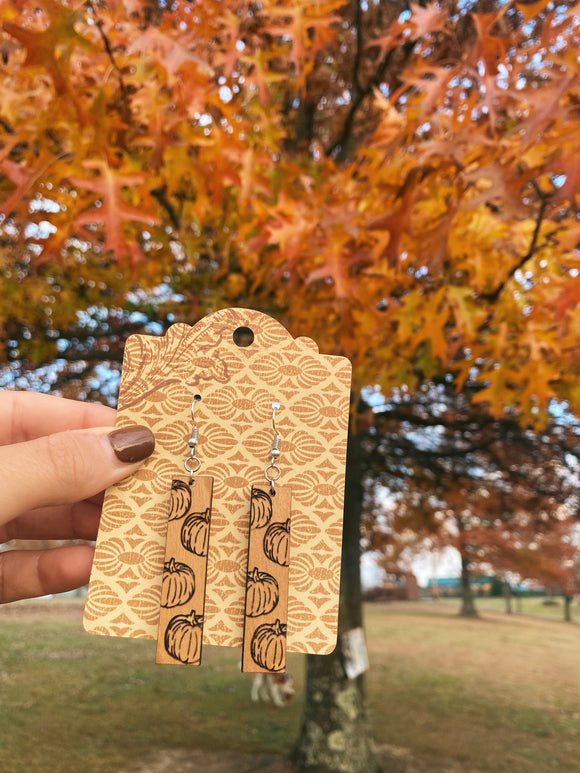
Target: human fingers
(26,574)
(69,466)
(28,415)
(77,521)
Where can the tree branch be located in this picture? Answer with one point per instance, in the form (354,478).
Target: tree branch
(337,147)
(126,111)
(358,14)
(161,195)
(493,296)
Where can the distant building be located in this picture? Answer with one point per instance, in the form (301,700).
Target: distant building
(399,586)
(487,585)
(451,586)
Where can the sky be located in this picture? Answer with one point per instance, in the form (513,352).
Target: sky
(440,563)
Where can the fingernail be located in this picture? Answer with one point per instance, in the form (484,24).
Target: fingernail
(132,444)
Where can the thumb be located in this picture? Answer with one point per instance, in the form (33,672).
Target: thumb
(69,466)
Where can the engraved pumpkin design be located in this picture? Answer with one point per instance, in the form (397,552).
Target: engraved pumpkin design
(154,480)
(260,508)
(315,411)
(195,533)
(118,513)
(300,615)
(302,372)
(262,593)
(235,407)
(120,558)
(312,492)
(304,447)
(223,572)
(180,500)
(155,520)
(170,436)
(277,543)
(101,601)
(309,572)
(268,646)
(304,527)
(145,605)
(183,638)
(177,584)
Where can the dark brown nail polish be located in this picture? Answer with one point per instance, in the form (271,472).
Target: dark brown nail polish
(132,444)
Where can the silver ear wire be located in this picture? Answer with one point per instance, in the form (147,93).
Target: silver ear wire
(192,463)
(275,407)
(272,471)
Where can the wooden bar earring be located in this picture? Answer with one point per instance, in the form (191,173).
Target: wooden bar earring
(180,633)
(266,603)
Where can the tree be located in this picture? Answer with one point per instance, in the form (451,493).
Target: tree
(327,740)
(397,182)
(552,557)
(505,497)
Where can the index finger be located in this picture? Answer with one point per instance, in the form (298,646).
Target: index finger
(29,415)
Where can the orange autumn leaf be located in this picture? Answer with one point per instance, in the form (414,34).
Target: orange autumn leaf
(112,210)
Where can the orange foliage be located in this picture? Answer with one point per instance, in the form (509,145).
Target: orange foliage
(401,188)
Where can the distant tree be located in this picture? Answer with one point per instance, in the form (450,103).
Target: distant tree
(552,556)
(505,497)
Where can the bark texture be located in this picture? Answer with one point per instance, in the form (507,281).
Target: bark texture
(507,594)
(335,735)
(468,604)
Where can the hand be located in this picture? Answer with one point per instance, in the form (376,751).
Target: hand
(56,458)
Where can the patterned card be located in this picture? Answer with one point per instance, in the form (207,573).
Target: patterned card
(238,385)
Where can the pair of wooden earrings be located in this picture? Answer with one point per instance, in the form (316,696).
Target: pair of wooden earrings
(181,618)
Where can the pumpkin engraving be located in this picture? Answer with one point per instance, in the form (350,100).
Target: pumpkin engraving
(260,508)
(268,646)
(180,500)
(277,543)
(183,637)
(262,593)
(195,533)
(177,584)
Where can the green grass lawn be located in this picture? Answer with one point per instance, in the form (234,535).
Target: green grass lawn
(500,694)
(73,702)
(551,607)
(545,606)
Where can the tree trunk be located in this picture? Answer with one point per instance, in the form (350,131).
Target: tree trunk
(335,735)
(434,584)
(568,608)
(507,592)
(467,604)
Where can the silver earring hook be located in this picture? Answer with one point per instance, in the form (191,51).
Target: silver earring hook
(272,471)
(192,463)
(196,399)
(275,407)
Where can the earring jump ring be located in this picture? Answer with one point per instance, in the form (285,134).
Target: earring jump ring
(188,464)
(272,478)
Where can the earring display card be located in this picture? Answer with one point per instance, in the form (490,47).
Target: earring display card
(238,385)
(181,617)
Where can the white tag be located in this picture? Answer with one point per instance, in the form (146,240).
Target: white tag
(354,649)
